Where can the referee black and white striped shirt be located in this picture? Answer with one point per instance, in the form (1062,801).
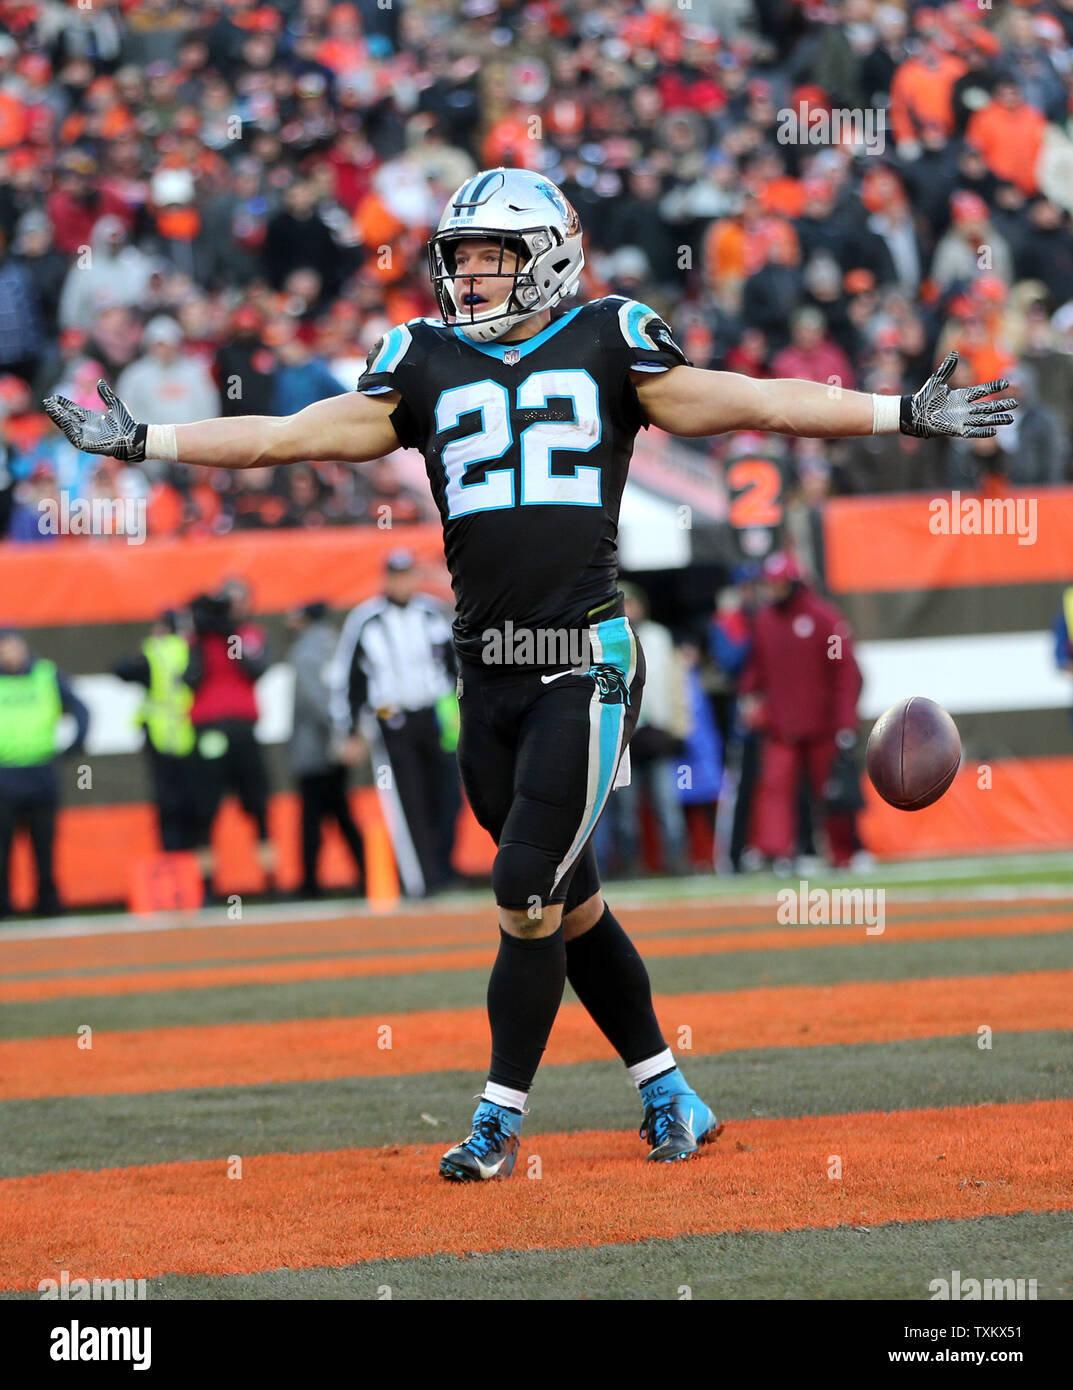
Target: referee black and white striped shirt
(392,658)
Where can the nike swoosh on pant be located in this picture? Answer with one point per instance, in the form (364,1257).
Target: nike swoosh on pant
(548,679)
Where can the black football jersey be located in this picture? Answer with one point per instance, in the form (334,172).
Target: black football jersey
(527,446)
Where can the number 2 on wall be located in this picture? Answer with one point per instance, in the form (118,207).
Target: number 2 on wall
(539,486)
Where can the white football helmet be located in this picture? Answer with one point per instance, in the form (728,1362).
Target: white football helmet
(526,214)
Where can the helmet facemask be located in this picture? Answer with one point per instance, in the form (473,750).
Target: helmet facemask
(520,297)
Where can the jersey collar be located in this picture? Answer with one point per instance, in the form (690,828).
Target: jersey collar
(499,350)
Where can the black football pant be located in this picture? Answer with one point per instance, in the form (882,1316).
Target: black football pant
(538,753)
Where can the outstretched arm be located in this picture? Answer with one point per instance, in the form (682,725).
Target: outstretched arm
(353,428)
(691,401)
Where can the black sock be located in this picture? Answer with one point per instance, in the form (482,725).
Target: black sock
(525,990)
(609,977)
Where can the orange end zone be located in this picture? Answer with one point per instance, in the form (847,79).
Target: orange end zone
(332,1209)
(249,1054)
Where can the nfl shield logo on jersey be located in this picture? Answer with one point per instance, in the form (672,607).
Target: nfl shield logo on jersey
(512,356)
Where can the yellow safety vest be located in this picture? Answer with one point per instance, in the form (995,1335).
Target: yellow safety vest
(30,709)
(165,711)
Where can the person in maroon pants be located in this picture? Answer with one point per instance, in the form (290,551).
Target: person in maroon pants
(801,685)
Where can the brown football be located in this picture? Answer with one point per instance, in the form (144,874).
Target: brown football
(913,753)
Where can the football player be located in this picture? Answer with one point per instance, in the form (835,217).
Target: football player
(526,411)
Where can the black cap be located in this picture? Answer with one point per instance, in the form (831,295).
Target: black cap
(399,561)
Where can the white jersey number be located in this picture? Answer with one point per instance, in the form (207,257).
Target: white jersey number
(539,486)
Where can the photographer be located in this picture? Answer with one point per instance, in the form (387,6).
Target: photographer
(228,655)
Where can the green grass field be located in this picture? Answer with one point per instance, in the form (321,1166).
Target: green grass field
(897,1106)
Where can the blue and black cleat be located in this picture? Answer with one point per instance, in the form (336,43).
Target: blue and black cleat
(490,1149)
(677,1126)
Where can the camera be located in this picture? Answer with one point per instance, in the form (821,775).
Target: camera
(211,613)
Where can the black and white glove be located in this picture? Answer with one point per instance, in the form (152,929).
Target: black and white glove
(936,410)
(115,432)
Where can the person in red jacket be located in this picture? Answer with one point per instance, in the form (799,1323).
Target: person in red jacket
(77,201)
(228,655)
(801,685)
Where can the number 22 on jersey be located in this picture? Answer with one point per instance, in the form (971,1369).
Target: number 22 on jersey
(494,436)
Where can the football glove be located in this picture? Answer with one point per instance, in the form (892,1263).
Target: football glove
(115,432)
(936,410)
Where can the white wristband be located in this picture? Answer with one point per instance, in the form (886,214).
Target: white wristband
(886,414)
(160,443)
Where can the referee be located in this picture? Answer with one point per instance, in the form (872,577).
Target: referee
(394,681)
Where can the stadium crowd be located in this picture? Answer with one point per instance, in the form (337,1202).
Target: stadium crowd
(219,207)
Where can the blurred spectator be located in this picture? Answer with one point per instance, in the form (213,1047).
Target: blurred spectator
(300,378)
(314,764)
(1027,59)
(749,355)
(1034,452)
(802,683)
(166,385)
(394,678)
(961,253)
(811,354)
(635,221)
(390,502)
(46,267)
(1045,251)
(77,203)
(893,249)
(729,641)
(33,696)
(245,369)
(1052,367)
(234,223)
(169,732)
(921,92)
(977,82)
(772,294)
(228,655)
(297,238)
(655,757)
(803,510)
(700,773)
(111,272)
(20,324)
(1008,132)
(1039,450)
